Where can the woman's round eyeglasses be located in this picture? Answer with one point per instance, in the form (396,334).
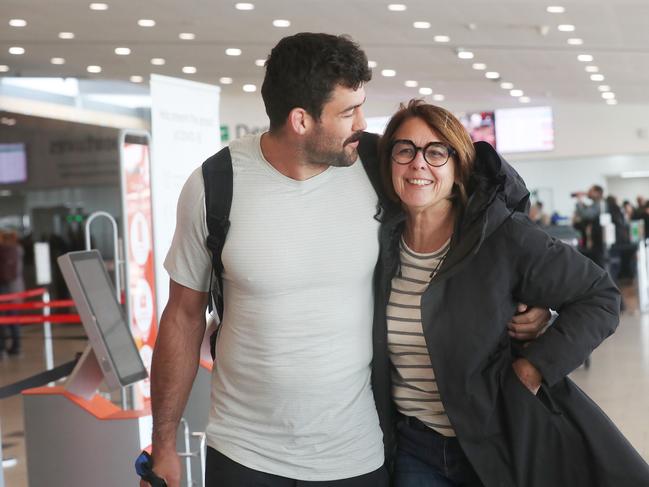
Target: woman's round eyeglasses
(435,154)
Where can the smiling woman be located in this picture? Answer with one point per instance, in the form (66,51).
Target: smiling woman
(476,407)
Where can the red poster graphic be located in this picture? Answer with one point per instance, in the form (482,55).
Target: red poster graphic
(139,231)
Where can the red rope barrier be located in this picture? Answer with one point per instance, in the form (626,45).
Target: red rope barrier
(65,303)
(31,319)
(24,294)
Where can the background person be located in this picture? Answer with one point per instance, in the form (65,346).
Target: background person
(11,281)
(476,408)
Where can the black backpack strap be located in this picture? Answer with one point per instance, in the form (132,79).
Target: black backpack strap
(217,178)
(368,150)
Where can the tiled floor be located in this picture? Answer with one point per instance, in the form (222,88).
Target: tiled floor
(618,380)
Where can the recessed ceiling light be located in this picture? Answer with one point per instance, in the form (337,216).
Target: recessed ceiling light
(516,93)
(57,60)
(575,41)
(608,95)
(4,68)
(479,66)
(492,75)
(94,69)
(17,23)
(585,58)
(425,91)
(66,35)
(388,73)
(233,51)
(158,61)
(17,50)
(146,23)
(189,69)
(397,7)
(506,85)
(136,79)
(187,36)
(604,88)
(465,54)
(555,9)
(566,28)
(442,39)
(411,83)
(260,62)
(421,25)
(372,64)
(612,101)
(250,88)
(524,99)
(244,6)
(597,77)
(282,23)
(98,6)
(439,97)
(225,80)
(122,51)
(592,69)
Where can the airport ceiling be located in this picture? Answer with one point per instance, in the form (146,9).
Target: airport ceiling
(520,40)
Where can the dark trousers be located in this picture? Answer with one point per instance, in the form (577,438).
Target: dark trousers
(220,471)
(426,458)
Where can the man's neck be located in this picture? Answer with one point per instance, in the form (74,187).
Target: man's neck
(287,156)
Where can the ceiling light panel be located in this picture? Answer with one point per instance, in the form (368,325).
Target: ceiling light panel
(187,36)
(17,22)
(233,51)
(66,35)
(421,25)
(566,28)
(555,9)
(425,91)
(244,6)
(281,23)
(146,23)
(98,7)
(397,7)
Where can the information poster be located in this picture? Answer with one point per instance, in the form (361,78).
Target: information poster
(138,232)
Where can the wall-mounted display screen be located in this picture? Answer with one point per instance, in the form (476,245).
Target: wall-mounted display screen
(480,126)
(13,163)
(528,129)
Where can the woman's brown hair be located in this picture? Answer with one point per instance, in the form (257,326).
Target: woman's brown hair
(450,131)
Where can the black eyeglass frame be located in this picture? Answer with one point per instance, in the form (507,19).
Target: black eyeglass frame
(449,149)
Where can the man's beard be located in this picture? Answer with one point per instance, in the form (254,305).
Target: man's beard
(321,149)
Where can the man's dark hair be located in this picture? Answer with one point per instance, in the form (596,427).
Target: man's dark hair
(598,189)
(303,70)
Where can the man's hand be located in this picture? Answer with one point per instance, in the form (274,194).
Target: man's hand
(528,374)
(166,465)
(528,323)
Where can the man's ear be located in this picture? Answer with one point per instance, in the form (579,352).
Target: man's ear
(299,121)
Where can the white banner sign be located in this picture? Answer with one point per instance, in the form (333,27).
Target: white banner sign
(185,131)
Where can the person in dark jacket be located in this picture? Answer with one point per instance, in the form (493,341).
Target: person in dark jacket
(472,406)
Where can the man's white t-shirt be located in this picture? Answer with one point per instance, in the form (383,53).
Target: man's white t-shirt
(291,391)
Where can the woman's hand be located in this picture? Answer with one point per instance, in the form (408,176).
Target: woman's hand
(528,374)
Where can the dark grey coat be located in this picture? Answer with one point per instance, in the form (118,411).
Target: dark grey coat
(498,258)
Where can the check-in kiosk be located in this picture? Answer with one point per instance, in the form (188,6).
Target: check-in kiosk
(75,437)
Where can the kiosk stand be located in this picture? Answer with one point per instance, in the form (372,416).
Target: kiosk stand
(75,437)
